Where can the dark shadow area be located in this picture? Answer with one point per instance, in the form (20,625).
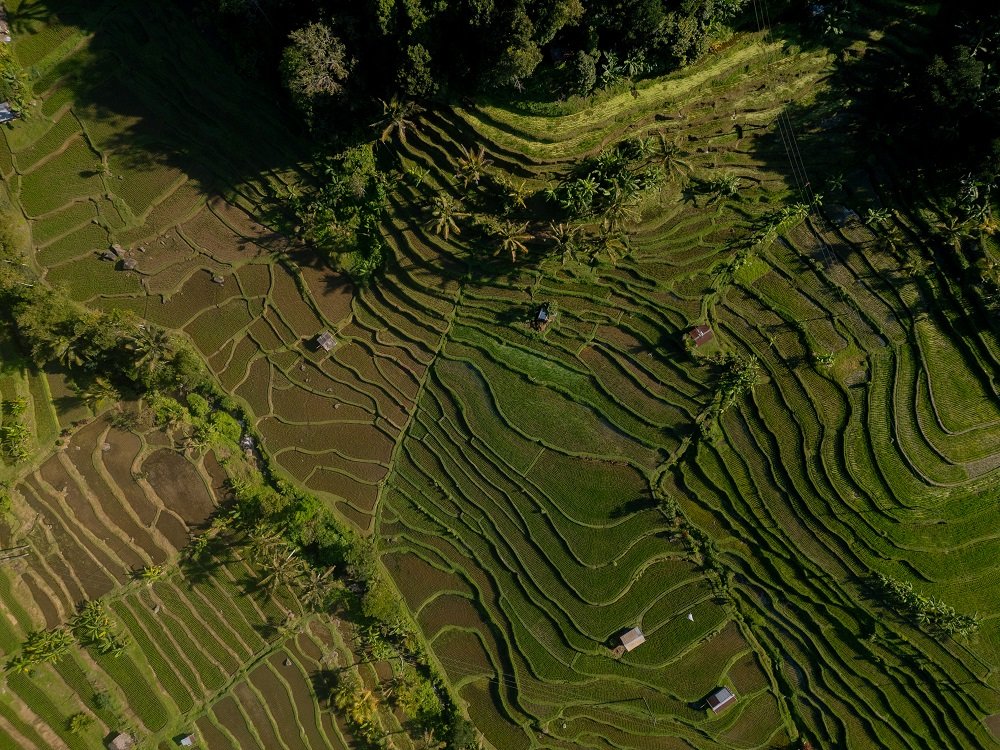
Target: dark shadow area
(155,90)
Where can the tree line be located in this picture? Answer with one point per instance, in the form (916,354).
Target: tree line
(336,55)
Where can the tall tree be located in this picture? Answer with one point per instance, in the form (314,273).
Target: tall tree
(315,65)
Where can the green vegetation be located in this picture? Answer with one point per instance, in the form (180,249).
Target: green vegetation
(383,437)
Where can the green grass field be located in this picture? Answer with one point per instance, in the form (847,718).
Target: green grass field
(510,476)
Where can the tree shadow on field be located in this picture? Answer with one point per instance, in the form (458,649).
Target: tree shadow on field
(151,86)
(821,143)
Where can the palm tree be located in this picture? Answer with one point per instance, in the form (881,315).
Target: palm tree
(151,345)
(612,242)
(21,664)
(263,542)
(317,587)
(283,567)
(471,165)
(512,238)
(877,216)
(726,185)
(444,211)
(620,211)
(149,574)
(515,193)
(96,392)
(670,156)
(396,114)
(66,352)
(565,237)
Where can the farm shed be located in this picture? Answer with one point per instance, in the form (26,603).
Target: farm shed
(720,699)
(632,639)
(543,317)
(701,334)
(121,741)
(129,264)
(186,741)
(326,341)
(6,113)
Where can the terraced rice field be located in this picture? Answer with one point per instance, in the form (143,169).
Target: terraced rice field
(511,475)
(201,649)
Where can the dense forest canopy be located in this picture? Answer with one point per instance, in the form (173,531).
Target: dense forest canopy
(344,52)
(939,109)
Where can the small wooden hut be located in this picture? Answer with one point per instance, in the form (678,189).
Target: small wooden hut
(720,699)
(632,639)
(121,741)
(326,341)
(701,334)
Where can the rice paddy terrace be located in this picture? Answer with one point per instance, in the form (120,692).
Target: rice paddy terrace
(515,478)
(201,653)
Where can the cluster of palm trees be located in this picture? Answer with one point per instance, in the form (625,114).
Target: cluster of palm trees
(281,566)
(92,627)
(924,611)
(610,185)
(41,647)
(607,187)
(358,704)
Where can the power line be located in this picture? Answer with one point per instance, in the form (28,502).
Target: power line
(789,140)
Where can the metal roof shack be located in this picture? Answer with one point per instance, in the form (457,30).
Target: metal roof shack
(326,341)
(701,334)
(720,699)
(121,741)
(632,639)
(129,264)
(186,741)
(543,317)
(6,113)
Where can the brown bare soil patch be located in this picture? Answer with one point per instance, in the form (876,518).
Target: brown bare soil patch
(265,337)
(194,296)
(106,496)
(256,712)
(210,735)
(81,513)
(210,234)
(362,441)
(299,404)
(278,700)
(90,566)
(294,310)
(332,292)
(365,471)
(302,696)
(362,520)
(179,486)
(361,496)
(228,715)
(254,390)
(50,612)
(361,361)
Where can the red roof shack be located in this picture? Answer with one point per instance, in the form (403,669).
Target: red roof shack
(701,335)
